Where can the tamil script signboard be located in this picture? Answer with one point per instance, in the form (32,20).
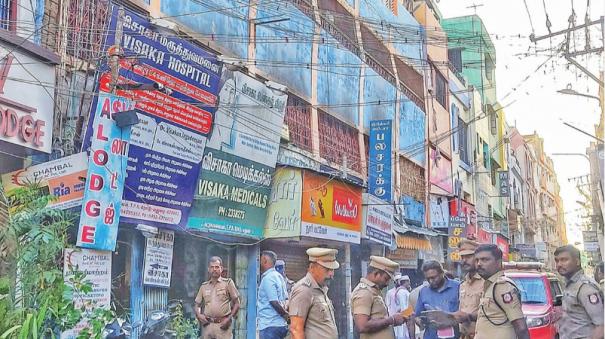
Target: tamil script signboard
(168,143)
(456,232)
(330,209)
(380,171)
(157,269)
(379,220)
(97,267)
(283,214)
(102,201)
(234,184)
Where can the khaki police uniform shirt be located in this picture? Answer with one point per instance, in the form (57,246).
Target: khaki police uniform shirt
(582,307)
(471,290)
(493,322)
(310,301)
(367,300)
(215,298)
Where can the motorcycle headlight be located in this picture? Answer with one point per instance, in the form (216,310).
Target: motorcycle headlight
(537,321)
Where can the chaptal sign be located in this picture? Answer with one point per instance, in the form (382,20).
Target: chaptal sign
(105,179)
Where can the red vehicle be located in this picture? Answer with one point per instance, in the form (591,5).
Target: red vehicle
(541,295)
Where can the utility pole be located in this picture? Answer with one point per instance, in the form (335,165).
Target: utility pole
(115,52)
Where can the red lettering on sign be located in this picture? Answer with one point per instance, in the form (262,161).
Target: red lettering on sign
(114,181)
(10,123)
(100,158)
(27,133)
(96,182)
(100,135)
(88,234)
(105,111)
(27,128)
(93,208)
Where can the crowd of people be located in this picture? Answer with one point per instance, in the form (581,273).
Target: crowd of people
(485,305)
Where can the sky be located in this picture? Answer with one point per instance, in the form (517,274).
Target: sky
(537,105)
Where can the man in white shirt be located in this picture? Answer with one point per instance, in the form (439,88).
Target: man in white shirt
(397,301)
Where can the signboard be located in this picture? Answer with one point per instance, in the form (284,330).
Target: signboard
(97,267)
(413,210)
(590,236)
(61,178)
(502,244)
(330,209)
(26,104)
(527,250)
(504,185)
(541,251)
(592,246)
(441,171)
(379,220)
(158,259)
(380,169)
(283,213)
(405,257)
(456,232)
(439,211)
(234,184)
(232,195)
(167,145)
(105,179)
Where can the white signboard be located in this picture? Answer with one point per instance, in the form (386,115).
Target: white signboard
(158,259)
(591,246)
(97,267)
(379,220)
(26,108)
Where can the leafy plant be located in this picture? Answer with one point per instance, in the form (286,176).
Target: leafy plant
(181,326)
(35,302)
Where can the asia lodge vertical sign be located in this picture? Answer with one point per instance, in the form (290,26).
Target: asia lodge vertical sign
(105,178)
(380,169)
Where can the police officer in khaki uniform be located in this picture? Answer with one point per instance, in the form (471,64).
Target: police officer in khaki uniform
(582,298)
(471,289)
(500,313)
(370,313)
(311,311)
(216,303)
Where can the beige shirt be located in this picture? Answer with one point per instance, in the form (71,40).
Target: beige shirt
(367,300)
(471,290)
(215,298)
(310,301)
(582,307)
(493,321)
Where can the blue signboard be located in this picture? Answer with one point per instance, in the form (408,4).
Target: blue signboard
(380,168)
(413,210)
(105,178)
(168,143)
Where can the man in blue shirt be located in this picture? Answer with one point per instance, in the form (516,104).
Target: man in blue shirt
(441,294)
(272,317)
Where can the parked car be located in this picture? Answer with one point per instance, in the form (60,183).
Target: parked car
(541,296)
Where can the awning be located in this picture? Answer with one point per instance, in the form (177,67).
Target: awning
(412,242)
(400,226)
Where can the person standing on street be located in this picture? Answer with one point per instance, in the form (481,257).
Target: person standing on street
(470,289)
(216,303)
(311,311)
(441,294)
(370,314)
(500,314)
(272,317)
(397,300)
(280,266)
(582,298)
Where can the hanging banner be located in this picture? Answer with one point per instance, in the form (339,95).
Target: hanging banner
(379,220)
(502,244)
(62,178)
(96,265)
(380,168)
(503,180)
(330,209)
(157,269)
(456,232)
(168,143)
(105,179)
(234,184)
(283,213)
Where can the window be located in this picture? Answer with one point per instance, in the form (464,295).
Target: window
(485,155)
(338,142)
(8,14)
(454,55)
(463,140)
(489,68)
(441,89)
(532,290)
(298,120)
